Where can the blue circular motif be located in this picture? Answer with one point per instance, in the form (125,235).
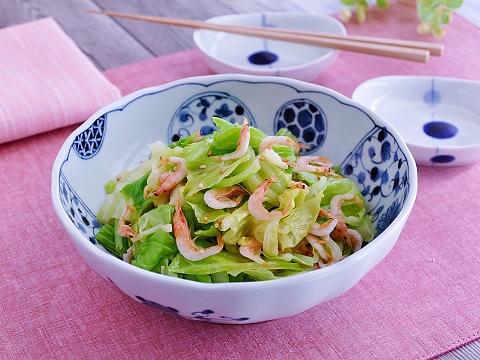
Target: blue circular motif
(304,119)
(442,159)
(263,57)
(195,114)
(440,129)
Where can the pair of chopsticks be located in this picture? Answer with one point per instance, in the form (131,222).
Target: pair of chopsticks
(395,48)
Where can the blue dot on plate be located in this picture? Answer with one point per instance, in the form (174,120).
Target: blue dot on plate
(440,129)
(442,159)
(262,58)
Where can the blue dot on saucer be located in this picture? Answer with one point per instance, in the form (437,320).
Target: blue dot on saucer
(440,129)
(442,159)
(262,58)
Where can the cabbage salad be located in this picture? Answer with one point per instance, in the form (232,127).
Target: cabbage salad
(235,205)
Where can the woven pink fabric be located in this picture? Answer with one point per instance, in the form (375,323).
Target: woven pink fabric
(422,300)
(46,82)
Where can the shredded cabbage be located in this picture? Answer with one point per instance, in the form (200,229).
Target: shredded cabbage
(256,234)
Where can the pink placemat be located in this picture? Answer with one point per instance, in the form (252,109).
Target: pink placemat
(46,82)
(421,301)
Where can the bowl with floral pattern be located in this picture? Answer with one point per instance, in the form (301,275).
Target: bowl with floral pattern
(366,148)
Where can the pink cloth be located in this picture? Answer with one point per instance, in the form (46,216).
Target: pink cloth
(421,301)
(46,82)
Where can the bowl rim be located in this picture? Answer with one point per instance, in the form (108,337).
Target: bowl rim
(330,53)
(82,242)
(415,145)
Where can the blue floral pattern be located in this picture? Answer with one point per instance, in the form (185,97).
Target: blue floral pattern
(204,315)
(80,215)
(89,141)
(386,217)
(305,120)
(380,169)
(376,163)
(196,114)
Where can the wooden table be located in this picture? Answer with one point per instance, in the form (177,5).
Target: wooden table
(110,42)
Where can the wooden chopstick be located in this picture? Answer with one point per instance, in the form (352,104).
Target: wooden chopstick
(398,52)
(434,48)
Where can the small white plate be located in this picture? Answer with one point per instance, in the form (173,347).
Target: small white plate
(439,118)
(231,53)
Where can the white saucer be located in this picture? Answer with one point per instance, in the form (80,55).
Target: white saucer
(439,118)
(231,53)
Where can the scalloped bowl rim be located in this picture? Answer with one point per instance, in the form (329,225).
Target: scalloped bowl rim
(331,52)
(81,241)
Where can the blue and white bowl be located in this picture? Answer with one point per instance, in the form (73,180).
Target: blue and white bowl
(231,53)
(116,137)
(438,117)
